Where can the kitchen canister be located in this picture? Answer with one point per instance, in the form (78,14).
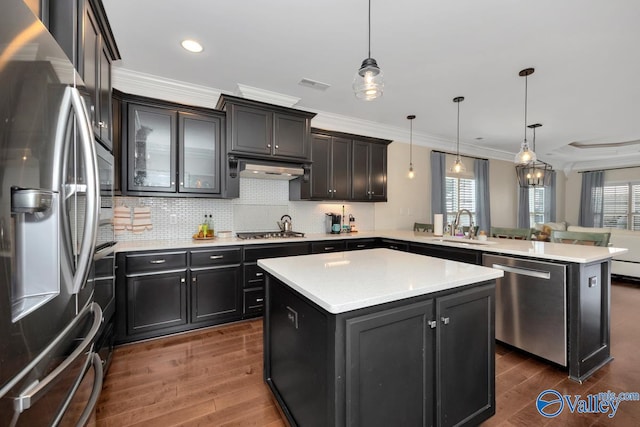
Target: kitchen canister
(437,225)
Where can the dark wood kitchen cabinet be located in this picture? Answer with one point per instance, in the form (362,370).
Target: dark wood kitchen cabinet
(83,31)
(261,130)
(369,171)
(215,285)
(253,276)
(330,176)
(436,366)
(152,297)
(172,150)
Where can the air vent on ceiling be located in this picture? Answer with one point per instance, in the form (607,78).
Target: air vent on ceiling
(314,84)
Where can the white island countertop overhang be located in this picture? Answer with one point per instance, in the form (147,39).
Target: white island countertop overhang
(344,281)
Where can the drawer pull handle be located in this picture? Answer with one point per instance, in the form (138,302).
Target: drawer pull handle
(259,299)
(361,246)
(216,257)
(393,247)
(259,274)
(328,248)
(157,261)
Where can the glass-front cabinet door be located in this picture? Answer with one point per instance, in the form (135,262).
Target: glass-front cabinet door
(199,153)
(151,149)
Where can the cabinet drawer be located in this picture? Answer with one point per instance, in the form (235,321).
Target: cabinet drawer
(253,253)
(322,247)
(253,300)
(253,276)
(153,262)
(213,257)
(361,244)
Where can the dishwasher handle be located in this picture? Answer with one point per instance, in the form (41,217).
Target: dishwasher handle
(539,274)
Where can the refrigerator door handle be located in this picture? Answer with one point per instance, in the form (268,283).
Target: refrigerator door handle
(89,158)
(35,391)
(95,392)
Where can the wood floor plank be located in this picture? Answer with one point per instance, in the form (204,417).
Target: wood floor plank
(213,377)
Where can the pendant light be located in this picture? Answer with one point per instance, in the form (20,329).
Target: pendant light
(525,155)
(368,83)
(458,166)
(411,174)
(534,173)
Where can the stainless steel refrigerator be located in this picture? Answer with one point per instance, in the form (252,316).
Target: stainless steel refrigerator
(49,199)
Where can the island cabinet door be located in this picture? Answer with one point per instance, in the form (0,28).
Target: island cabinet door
(390,367)
(465,358)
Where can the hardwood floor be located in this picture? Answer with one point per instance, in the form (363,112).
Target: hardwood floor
(213,377)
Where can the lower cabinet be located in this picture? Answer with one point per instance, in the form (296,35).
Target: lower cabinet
(425,361)
(156,302)
(159,293)
(215,294)
(469,256)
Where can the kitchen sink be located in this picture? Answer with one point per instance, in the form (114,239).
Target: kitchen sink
(460,241)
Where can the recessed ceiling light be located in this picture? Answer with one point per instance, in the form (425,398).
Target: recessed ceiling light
(192,46)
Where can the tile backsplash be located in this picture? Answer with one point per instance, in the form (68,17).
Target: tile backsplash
(259,207)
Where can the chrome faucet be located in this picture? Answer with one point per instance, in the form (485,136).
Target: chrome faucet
(456,223)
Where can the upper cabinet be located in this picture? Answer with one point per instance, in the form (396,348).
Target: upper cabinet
(369,171)
(344,167)
(170,149)
(259,130)
(82,30)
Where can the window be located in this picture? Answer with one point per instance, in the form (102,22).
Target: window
(536,206)
(460,194)
(621,206)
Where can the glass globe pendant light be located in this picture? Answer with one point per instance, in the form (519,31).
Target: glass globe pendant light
(458,166)
(525,155)
(411,173)
(368,83)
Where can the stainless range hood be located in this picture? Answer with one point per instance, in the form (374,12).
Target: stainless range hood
(268,170)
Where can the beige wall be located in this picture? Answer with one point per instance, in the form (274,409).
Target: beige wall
(409,200)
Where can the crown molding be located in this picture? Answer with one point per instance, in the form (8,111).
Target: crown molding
(267,96)
(153,86)
(137,83)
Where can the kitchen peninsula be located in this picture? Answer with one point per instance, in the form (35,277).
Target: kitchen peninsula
(380,337)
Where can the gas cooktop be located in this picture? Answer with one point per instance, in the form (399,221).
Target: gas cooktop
(269,235)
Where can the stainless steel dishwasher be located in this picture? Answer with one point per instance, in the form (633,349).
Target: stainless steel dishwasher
(531,306)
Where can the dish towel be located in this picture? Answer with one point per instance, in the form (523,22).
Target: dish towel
(141,219)
(121,219)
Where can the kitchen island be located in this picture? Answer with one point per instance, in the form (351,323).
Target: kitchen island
(380,337)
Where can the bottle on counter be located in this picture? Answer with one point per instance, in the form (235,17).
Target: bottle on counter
(205,226)
(210,226)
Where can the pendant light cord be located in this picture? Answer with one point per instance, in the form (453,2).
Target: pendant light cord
(458,134)
(369,29)
(411,142)
(525,108)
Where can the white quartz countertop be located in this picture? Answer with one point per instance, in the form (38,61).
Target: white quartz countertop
(532,249)
(344,281)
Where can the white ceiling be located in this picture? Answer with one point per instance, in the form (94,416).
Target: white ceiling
(586,87)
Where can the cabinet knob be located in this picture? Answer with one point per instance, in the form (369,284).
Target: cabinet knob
(182,280)
(173,183)
(182,184)
(432,324)
(268,145)
(102,124)
(277,147)
(194,279)
(445,320)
